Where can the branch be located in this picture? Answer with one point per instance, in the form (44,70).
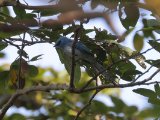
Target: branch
(119,85)
(130,57)
(88,104)
(73,57)
(66,87)
(28,90)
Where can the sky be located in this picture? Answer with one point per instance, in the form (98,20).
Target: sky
(51,59)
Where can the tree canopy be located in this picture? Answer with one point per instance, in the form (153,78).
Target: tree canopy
(51,94)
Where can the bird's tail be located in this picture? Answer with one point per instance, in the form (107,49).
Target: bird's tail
(99,69)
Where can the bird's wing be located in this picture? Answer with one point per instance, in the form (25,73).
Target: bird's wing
(81,47)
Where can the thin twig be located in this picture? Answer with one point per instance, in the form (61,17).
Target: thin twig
(88,104)
(119,85)
(116,62)
(17,46)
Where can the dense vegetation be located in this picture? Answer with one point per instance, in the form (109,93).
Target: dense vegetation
(63,96)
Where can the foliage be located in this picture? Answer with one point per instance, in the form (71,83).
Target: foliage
(120,61)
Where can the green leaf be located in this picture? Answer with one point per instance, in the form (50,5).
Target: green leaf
(138,42)
(157,89)
(23,53)
(5,10)
(118,103)
(2,55)
(130,110)
(100,106)
(126,70)
(20,12)
(4,75)
(103,35)
(155,45)
(17,116)
(155,101)
(132,15)
(155,24)
(155,63)
(32,71)
(35,58)
(130,74)
(3,45)
(145,92)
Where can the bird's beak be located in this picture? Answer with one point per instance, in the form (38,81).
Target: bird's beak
(55,45)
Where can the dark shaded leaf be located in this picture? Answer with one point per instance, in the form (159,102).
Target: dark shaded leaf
(155,101)
(130,110)
(4,77)
(3,45)
(32,71)
(147,31)
(132,14)
(23,53)
(157,89)
(130,74)
(155,24)
(155,63)
(118,103)
(2,55)
(20,12)
(145,92)
(35,58)
(100,106)
(155,45)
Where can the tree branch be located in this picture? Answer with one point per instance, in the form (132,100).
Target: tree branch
(28,90)
(66,87)
(73,57)
(88,104)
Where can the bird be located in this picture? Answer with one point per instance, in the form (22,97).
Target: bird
(82,53)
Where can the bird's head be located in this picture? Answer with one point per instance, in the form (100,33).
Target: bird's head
(62,42)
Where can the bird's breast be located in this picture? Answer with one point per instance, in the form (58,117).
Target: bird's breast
(68,50)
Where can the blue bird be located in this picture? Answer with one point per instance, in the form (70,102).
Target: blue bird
(82,53)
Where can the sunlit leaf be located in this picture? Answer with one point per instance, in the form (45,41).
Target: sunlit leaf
(141,61)
(138,42)
(17,74)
